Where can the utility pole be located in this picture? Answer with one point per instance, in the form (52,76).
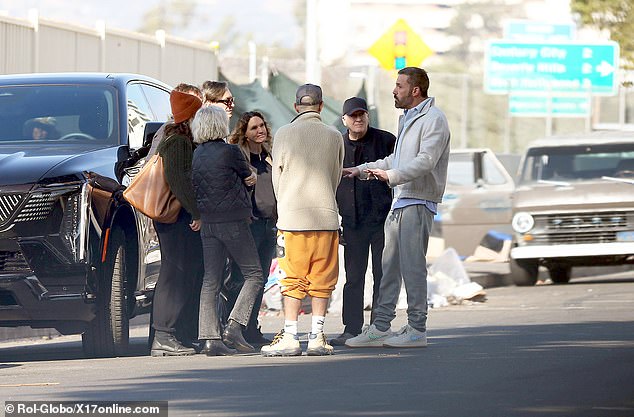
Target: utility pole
(313,70)
(252,61)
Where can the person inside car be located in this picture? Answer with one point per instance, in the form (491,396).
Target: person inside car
(41,128)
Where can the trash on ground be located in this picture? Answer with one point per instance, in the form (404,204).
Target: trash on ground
(448,282)
(494,247)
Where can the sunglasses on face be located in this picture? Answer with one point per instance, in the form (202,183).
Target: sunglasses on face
(227,102)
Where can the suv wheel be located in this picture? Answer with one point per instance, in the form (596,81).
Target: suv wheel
(560,274)
(108,334)
(524,271)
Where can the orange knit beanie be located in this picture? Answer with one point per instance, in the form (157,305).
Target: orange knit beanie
(184,106)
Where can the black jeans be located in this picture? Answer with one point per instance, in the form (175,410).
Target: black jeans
(359,240)
(264,235)
(175,303)
(220,240)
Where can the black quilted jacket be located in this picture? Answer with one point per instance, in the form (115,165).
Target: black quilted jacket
(218,171)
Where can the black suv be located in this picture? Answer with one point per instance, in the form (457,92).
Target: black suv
(73,255)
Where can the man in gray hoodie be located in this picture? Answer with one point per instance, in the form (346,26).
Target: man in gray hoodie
(417,173)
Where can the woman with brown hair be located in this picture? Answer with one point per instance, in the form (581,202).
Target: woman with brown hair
(181,250)
(217,93)
(253,136)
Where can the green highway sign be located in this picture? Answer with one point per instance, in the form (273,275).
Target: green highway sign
(536,31)
(543,106)
(569,67)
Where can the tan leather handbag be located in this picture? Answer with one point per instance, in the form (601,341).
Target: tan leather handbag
(151,195)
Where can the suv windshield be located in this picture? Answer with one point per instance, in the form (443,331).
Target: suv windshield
(579,163)
(38,114)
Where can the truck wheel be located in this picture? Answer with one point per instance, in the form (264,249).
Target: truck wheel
(107,334)
(523,271)
(560,274)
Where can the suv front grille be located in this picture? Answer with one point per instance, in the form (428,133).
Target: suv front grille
(577,228)
(38,207)
(15,208)
(8,205)
(12,262)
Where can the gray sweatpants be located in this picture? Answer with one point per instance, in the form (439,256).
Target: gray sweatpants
(406,237)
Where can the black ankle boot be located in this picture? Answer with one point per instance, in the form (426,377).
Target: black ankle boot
(254,336)
(166,344)
(217,348)
(232,336)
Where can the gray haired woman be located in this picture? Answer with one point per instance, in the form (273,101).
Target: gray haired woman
(221,174)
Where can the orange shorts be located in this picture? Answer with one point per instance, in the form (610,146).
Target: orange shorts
(310,265)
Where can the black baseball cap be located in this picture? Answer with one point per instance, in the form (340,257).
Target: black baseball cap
(308,94)
(354,104)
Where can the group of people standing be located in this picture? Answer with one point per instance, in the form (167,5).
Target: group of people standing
(222,221)
(238,189)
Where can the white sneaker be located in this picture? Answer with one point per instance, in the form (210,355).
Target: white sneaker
(407,337)
(370,337)
(317,345)
(283,344)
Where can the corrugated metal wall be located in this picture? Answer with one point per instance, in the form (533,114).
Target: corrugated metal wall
(16,43)
(46,46)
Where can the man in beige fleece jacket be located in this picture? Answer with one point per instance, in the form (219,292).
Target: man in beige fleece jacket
(307,164)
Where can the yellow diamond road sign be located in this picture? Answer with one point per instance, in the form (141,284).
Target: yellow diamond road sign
(400,47)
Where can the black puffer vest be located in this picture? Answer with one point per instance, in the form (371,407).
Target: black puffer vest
(218,171)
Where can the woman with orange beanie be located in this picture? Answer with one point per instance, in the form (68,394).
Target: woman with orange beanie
(181,250)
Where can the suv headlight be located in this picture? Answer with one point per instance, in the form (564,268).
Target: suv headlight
(522,222)
(74,222)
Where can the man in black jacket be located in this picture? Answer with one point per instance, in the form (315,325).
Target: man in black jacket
(363,206)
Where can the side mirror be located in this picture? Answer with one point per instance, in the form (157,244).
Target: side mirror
(132,156)
(150,130)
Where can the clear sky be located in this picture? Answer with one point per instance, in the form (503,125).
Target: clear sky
(269,21)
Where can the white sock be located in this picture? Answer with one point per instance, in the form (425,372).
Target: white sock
(290,327)
(318,324)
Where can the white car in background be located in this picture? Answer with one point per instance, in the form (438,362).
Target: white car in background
(477,201)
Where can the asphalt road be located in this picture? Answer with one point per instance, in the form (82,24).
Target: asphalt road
(541,351)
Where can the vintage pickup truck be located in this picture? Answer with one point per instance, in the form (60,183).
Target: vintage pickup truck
(574,205)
